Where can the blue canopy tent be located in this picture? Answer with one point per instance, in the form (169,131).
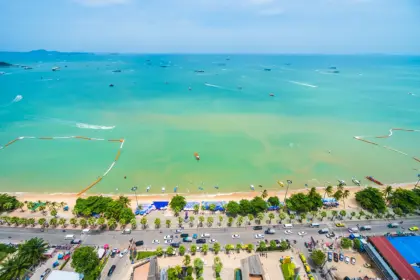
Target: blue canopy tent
(220,205)
(161,204)
(190,205)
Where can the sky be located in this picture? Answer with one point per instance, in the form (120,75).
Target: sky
(212,26)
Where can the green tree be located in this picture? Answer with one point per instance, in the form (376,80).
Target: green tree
(240,220)
(250,248)
(198,267)
(159,251)
(323,215)
(83,222)
(53,212)
(343,213)
(230,221)
(338,195)
(216,248)
(292,217)
(284,245)
(168,223)
(187,260)
(274,201)
(346,243)
(53,222)
(124,201)
(14,268)
(133,223)
(232,208)
(302,217)
(352,214)
(23,221)
(264,194)
(270,216)
(143,222)
(177,203)
(191,220)
(85,260)
(170,251)
(196,208)
(212,207)
(205,249)
(334,214)
(387,192)
(357,244)
(62,222)
(31,221)
(157,223)
(361,213)
(180,221)
(42,222)
(260,217)
(282,216)
(344,196)
(20,206)
(123,223)
(250,218)
(245,207)
(262,246)
(101,222)
(258,205)
(371,198)
(210,221)
(182,250)
(318,257)
(220,220)
(273,245)
(91,221)
(398,211)
(33,250)
(407,200)
(201,220)
(112,223)
(193,249)
(73,222)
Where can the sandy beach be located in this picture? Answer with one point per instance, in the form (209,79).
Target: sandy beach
(70,198)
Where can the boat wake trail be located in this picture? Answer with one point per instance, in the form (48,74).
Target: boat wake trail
(15,100)
(215,86)
(391,132)
(303,84)
(92,126)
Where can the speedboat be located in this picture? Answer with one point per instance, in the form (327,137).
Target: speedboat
(197,156)
(271,94)
(355,181)
(341,182)
(56,68)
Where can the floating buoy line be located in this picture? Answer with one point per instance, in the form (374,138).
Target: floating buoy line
(121,141)
(362,138)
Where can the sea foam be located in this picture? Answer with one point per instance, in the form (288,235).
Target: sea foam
(303,84)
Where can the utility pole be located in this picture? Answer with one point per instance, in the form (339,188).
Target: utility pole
(134,189)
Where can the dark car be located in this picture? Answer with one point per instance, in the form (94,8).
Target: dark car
(111,270)
(139,243)
(184,235)
(175,244)
(341,257)
(257,228)
(335,257)
(200,241)
(329,256)
(113,253)
(76,241)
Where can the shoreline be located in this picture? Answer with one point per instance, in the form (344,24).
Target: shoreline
(70,198)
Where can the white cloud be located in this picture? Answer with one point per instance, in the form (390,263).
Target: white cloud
(102,2)
(271,12)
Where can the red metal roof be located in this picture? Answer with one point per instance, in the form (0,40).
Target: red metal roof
(401,267)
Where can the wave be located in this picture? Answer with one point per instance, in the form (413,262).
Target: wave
(92,126)
(303,84)
(211,85)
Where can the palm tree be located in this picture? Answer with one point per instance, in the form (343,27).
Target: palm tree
(157,223)
(201,220)
(388,193)
(30,205)
(264,194)
(196,208)
(260,217)
(124,201)
(338,195)
(344,196)
(323,215)
(14,268)
(328,191)
(220,220)
(168,223)
(73,221)
(91,221)
(33,250)
(133,223)
(192,218)
(42,209)
(250,218)
(270,216)
(210,221)
(62,222)
(143,222)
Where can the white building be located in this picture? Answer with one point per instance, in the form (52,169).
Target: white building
(64,275)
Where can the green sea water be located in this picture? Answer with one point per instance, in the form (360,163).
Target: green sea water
(166,111)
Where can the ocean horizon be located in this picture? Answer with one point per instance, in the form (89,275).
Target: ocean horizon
(253,120)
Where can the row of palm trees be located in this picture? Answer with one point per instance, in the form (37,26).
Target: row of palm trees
(339,194)
(29,255)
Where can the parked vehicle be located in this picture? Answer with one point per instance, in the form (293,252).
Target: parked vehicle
(315,225)
(353,261)
(45,273)
(195,236)
(335,257)
(270,231)
(341,257)
(175,244)
(365,228)
(187,239)
(330,257)
(259,236)
(346,259)
(393,225)
(183,235)
(111,270)
(324,230)
(139,243)
(126,231)
(205,235)
(200,241)
(76,241)
(69,237)
(287,226)
(257,228)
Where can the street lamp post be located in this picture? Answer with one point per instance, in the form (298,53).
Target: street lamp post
(287,189)
(134,189)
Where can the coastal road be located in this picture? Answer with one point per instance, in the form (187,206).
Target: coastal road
(116,239)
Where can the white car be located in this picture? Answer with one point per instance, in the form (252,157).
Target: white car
(155,241)
(213,240)
(123,253)
(259,236)
(168,237)
(288,232)
(168,241)
(301,233)
(235,236)
(353,261)
(205,235)
(347,259)
(178,231)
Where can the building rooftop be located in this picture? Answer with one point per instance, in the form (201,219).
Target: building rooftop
(251,268)
(148,270)
(401,267)
(64,275)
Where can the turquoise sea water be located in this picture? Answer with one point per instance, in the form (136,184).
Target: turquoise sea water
(243,135)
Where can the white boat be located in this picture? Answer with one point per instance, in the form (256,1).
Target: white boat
(163,189)
(148,188)
(355,181)
(341,182)
(56,68)
(252,187)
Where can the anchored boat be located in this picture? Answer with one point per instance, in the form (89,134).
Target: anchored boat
(197,156)
(370,178)
(355,181)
